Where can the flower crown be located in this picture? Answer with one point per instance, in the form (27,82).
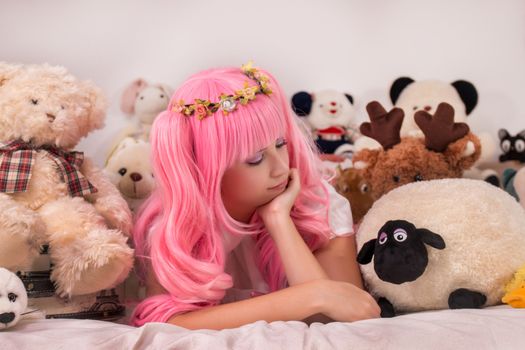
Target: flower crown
(227,103)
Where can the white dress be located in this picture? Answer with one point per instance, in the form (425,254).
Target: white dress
(240,250)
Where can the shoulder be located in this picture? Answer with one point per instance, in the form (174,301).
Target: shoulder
(339,212)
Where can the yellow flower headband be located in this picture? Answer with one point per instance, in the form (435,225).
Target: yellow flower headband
(227,103)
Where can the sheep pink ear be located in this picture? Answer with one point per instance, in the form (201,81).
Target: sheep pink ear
(127,101)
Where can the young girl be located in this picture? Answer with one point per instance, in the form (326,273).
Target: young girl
(242,227)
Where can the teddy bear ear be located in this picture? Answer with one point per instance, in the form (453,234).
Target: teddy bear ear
(127,101)
(302,103)
(7,72)
(99,105)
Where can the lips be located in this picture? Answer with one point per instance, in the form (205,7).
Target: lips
(279,186)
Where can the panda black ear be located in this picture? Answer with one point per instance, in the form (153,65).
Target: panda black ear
(367,252)
(398,86)
(432,239)
(503,134)
(302,103)
(522,134)
(350,98)
(468,93)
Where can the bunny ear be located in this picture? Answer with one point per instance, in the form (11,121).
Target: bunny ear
(127,101)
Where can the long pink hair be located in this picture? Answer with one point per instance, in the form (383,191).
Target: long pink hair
(178,232)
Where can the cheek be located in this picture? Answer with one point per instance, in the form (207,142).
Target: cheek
(244,186)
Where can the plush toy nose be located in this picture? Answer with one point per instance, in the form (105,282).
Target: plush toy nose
(50,117)
(135,177)
(333,103)
(427,108)
(7,317)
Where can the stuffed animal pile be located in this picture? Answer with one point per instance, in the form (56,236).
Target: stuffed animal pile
(50,194)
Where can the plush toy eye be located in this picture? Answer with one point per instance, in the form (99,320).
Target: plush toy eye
(364,188)
(161,96)
(383,238)
(519,145)
(418,177)
(321,105)
(123,171)
(395,178)
(62,107)
(414,108)
(400,235)
(12,297)
(34,101)
(141,97)
(505,146)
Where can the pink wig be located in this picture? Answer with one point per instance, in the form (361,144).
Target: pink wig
(178,233)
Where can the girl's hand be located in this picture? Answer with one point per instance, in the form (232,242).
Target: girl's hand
(344,302)
(281,205)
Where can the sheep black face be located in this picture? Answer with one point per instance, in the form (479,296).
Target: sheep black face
(400,252)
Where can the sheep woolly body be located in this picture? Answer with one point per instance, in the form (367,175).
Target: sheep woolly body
(483,228)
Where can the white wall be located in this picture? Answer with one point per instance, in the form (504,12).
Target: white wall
(357,46)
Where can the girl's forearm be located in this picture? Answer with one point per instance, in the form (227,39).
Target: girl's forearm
(292,303)
(300,265)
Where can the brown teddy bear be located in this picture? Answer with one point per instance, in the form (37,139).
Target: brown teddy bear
(349,183)
(446,151)
(51,195)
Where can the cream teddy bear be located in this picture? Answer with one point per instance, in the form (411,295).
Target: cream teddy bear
(50,195)
(129,169)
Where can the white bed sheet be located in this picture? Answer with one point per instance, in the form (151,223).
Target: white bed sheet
(500,327)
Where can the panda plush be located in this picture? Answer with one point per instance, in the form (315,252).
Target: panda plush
(331,117)
(412,96)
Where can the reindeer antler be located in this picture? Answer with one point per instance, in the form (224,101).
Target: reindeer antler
(440,129)
(383,127)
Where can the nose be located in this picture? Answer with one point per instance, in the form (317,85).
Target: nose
(7,317)
(333,103)
(50,117)
(427,108)
(279,164)
(135,177)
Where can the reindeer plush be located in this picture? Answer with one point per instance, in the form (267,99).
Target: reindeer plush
(447,150)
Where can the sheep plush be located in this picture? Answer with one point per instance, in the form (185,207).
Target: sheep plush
(50,194)
(13,299)
(331,117)
(449,243)
(129,169)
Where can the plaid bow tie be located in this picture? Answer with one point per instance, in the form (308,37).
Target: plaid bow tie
(18,158)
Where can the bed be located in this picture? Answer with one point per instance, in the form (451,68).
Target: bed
(499,327)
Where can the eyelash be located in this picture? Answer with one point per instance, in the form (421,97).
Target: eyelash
(282,143)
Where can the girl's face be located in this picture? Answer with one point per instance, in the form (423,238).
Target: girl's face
(255,181)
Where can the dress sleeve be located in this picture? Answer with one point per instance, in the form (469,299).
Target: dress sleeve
(340,215)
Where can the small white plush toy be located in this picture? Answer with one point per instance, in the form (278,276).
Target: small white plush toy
(129,169)
(331,116)
(144,101)
(13,299)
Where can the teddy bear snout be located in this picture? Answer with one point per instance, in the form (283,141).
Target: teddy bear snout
(7,317)
(135,177)
(427,108)
(50,117)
